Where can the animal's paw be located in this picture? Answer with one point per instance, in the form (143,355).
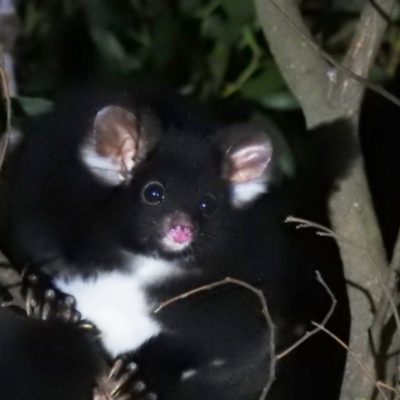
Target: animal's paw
(123,383)
(44,301)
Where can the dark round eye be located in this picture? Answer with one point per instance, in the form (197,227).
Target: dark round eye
(208,205)
(153,193)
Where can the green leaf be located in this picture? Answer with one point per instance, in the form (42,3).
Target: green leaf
(218,63)
(34,106)
(280,101)
(252,67)
(269,89)
(267,81)
(239,10)
(108,45)
(213,27)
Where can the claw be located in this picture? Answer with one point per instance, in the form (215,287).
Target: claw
(30,302)
(32,278)
(86,326)
(50,295)
(24,271)
(115,390)
(121,382)
(132,367)
(65,314)
(98,394)
(116,368)
(139,386)
(70,301)
(45,302)
(9,303)
(76,316)
(46,311)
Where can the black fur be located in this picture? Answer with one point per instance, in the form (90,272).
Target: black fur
(67,223)
(43,360)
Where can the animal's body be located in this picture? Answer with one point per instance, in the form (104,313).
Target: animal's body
(126,203)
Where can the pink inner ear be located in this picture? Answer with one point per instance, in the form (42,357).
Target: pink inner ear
(117,136)
(249,161)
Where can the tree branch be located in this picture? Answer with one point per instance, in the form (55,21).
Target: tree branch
(325,95)
(302,66)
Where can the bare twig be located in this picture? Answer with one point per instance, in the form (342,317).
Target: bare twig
(9,278)
(264,310)
(11,281)
(395,262)
(9,32)
(331,60)
(329,233)
(307,335)
(384,14)
(389,287)
(367,373)
(304,64)
(326,95)
(366,41)
(6,94)
(388,387)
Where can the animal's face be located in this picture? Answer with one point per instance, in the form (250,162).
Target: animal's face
(180,203)
(180,189)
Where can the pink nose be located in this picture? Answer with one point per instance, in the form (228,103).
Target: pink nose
(181,233)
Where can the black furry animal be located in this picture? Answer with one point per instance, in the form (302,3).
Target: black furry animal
(42,360)
(127,202)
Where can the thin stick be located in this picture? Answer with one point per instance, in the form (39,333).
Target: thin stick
(370,85)
(395,262)
(11,281)
(265,312)
(316,330)
(329,233)
(378,384)
(6,95)
(388,387)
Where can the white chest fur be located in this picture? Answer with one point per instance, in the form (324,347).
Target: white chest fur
(116,302)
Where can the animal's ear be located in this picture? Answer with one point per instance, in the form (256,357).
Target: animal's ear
(247,151)
(118,143)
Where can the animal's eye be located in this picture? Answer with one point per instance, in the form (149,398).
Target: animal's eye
(208,205)
(153,193)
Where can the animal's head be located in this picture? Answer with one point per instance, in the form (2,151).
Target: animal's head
(181,188)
